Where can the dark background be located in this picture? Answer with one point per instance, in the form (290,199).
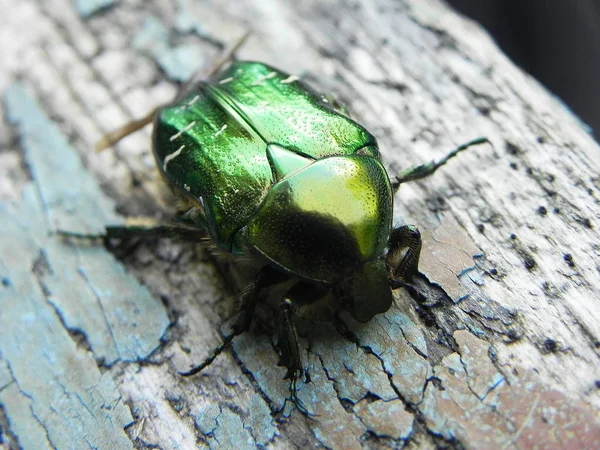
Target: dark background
(556,41)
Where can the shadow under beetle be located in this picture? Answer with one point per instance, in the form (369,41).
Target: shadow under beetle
(280,175)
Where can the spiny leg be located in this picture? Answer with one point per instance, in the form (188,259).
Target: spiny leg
(141,228)
(129,128)
(287,340)
(248,300)
(208,361)
(264,278)
(424,170)
(289,350)
(404,250)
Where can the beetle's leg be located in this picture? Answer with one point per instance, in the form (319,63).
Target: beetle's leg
(287,340)
(264,278)
(208,361)
(144,228)
(404,249)
(289,350)
(114,137)
(424,170)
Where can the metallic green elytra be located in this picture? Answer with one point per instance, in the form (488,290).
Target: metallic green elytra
(280,175)
(277,172)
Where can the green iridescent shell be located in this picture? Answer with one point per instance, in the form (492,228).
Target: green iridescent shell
(277,171)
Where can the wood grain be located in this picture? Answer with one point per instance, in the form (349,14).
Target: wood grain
(504,353)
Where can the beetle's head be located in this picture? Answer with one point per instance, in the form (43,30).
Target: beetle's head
(328,220)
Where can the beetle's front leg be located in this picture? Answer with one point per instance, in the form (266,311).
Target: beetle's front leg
(404,249)
(424,170)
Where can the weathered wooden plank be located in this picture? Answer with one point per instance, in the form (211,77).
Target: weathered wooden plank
(503,355)
(57,299)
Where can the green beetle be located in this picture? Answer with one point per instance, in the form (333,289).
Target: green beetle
(281,176)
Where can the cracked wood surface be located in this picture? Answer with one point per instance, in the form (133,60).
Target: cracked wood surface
(504,351)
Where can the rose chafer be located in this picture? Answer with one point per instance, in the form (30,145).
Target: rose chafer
(281,176)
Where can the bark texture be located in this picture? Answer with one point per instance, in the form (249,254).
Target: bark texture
(504,353)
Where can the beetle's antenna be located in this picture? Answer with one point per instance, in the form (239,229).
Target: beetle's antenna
(216,352)
(114,137)
(424,170)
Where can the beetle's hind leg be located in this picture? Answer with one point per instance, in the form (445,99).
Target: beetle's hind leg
(248,300)
(424,170)
(141,227)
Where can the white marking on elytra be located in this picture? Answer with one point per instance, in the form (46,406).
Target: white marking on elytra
(290,79)
(183,130)
(186,187)
(171,157)
(192,101)
(263,78)
(226,80)
(223,128)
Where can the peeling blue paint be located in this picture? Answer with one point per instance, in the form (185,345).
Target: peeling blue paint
(230,432)
(259,421)
(395,339)
(52,287)
(179,63)
(71,200)
(389,419)
(259,357)
(187,22)
(476,277)
(224,429)
(87,8)
(18,409)
(356,373)
(206,418)
(333,427)
(69,397)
